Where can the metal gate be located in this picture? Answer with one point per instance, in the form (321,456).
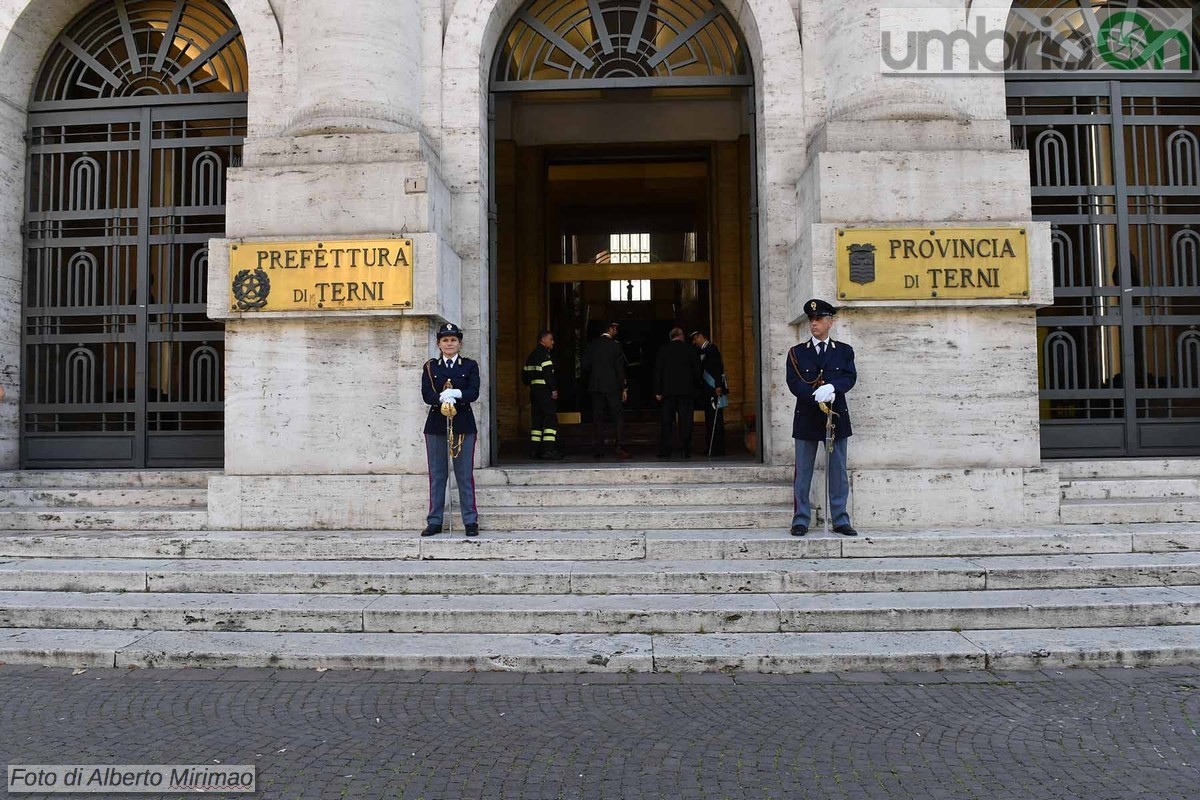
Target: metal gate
(140,110)
(1116,171)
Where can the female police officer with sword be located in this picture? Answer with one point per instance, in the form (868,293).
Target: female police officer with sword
(449,384)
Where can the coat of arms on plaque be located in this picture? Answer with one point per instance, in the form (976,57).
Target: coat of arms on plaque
(862,263)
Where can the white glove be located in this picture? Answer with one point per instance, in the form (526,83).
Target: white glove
(824,393)
(450,394)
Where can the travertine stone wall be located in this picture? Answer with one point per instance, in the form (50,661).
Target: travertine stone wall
(351,102)
(945,411)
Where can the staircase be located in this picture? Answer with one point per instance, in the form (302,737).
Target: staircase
(634,498)
(1134,490)
(590,569)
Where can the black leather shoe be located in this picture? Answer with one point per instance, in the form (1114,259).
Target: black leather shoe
(472,529)
(431,530)
(799,530)
(845,530)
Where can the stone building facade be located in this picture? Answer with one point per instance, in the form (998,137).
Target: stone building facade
(385,118)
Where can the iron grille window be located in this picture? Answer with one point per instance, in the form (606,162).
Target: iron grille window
(551,43)
(137,114)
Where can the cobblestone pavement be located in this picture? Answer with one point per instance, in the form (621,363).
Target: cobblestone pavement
(1100,735)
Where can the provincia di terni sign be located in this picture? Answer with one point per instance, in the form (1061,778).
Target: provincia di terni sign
(932,263)
(321,275)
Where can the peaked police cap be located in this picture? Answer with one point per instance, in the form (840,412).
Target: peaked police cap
(819,308)
(450,329)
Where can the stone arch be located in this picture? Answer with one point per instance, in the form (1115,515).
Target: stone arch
(28,28)
(772,37)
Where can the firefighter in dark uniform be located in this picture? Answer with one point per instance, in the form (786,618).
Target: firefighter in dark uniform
(450,382)
(714,394)
(538,375)
(820,370)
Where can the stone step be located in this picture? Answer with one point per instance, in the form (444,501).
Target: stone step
(1034,648)
(1127,468)
(125,497)
(1122,488)
(743,576)
(632,613)
(761,652)
(105,479)
(614,517)
(622,474)
(1128,510)
(102,519)
(641,494)
(661,545)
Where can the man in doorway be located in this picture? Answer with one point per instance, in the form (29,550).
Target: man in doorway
(714,394)
(604,370)
(450,382)
(819,372)
(676,381)
(538,375)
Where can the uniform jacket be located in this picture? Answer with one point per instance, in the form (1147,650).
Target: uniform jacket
(604,365)
(714,366)
(539,367)
(677,369)
(805,371)
(463,375)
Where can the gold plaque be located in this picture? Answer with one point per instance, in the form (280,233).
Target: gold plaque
(932,264)
(324,275)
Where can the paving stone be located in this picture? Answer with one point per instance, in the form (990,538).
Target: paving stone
(448,677)
(918,677)
(1070,740)
(978,676)
(762,677)
(865,677)
(705,678)
(589,679)
(499,677)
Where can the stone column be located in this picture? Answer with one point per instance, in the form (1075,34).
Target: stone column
(357,69)
(324,415)
(946,409)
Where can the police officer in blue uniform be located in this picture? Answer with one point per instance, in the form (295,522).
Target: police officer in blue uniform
(820,370)
(450,378)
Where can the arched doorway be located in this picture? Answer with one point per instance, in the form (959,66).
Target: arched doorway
(1115,168)
(137,112)
(622,189)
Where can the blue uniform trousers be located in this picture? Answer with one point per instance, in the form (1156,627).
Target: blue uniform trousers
(439,473)
(839,482)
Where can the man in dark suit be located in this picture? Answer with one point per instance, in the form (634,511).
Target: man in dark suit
(604,370)
(821,371)
(463,389)
(713,393)
(676,381)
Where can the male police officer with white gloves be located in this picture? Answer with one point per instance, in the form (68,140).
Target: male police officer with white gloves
(820,370)
(462,374)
